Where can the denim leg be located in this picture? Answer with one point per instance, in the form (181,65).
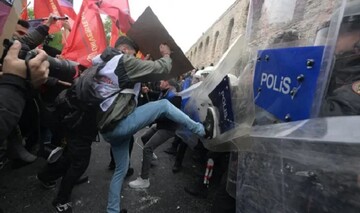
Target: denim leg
(147,114)
(121,156)
(160,137)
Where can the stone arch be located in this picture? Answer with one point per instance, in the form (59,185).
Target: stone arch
(195,51)
(216,36)
(228,34)
(207,42)
(200,52)
(200,47)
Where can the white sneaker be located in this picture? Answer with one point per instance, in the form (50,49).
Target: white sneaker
(139,183)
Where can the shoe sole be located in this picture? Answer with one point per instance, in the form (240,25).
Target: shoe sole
(137,187)
(216,122)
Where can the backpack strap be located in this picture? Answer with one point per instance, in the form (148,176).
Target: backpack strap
(128,91)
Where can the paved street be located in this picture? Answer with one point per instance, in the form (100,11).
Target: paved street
(21,192)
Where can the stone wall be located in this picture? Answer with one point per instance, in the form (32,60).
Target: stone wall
(214,42)
(298,18)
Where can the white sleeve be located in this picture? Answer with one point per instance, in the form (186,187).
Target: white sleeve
(96,60)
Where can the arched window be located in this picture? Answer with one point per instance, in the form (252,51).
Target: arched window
(200,53)
(207,43)
(228,34)
(195,53)
(215,42)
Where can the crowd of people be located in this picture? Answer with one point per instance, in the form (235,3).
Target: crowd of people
(49,101)
(119,102)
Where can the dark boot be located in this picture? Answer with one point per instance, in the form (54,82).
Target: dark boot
(198,190)
(129,172)
(15,148)
(111,165)
(177,167)
(171,150)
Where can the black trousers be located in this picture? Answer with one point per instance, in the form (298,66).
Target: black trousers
(222,201)
(182,147)
(70,167)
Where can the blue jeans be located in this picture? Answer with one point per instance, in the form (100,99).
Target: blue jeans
(120,137)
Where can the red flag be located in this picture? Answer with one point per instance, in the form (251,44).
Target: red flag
(119,13)
(43,8)
(67,8)
(115,33)
(87,37)
(24,12)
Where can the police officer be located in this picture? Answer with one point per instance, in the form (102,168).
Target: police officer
(343,95)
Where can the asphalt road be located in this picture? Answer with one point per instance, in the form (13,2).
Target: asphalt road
(21,192)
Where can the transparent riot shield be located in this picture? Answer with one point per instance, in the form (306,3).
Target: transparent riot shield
(303,166)
(298,157)
(229,90)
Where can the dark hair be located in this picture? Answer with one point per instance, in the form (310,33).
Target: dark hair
(126,40)
(23,23)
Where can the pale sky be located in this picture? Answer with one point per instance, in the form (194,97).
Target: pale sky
(185,20)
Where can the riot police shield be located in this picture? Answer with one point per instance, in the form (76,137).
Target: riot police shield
(228,89)
(298,158)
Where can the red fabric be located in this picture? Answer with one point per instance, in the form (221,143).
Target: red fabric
(24,12)
(67,8)
(87,37)
(115,33)
(119,13)
(43,8)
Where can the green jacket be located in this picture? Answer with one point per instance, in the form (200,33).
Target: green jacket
(131,70)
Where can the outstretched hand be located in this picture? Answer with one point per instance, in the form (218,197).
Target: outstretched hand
(165,50)
(51,20)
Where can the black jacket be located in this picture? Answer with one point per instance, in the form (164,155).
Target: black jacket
(343,96)
(13,92)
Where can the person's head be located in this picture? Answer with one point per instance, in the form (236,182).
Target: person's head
(126,45)
(164,84)
(349,37)
(349,32)
(21,28)
(180,77)
(169,84)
